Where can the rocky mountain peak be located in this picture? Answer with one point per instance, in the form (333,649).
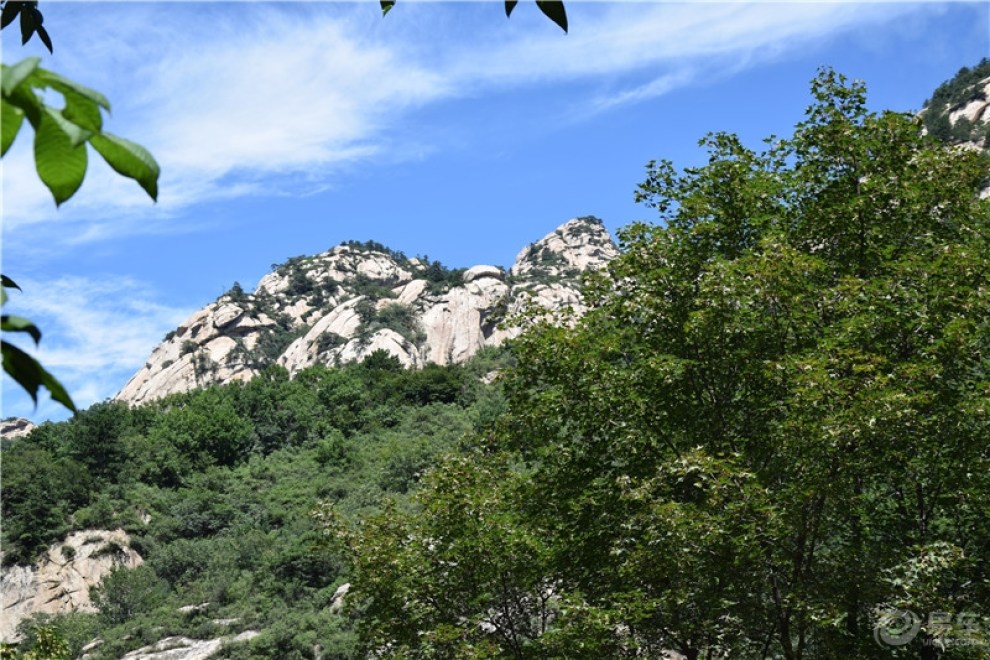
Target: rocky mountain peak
(572,248)
(357,298)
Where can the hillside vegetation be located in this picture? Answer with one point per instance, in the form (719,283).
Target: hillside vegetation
(767,437)
(218,487)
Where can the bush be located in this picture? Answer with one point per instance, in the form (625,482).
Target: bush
(126,592)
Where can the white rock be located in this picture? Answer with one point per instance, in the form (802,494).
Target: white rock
(15,427)
(337,600)
(408,294)
(455,324)
(478,272)
(386,340)
(60,581)
(183,648)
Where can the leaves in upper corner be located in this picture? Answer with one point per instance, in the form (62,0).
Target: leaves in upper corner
(554,10)
(31,20)
(387,6)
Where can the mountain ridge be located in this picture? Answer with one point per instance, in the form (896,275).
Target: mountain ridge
(343,304)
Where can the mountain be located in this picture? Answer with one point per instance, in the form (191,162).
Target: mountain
(348,302)
(959,109)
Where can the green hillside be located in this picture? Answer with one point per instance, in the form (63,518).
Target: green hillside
(228,480)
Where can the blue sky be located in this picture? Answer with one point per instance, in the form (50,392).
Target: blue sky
(444,129)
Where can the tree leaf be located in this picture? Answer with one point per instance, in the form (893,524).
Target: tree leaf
(82,111)
(509,6)
(11,119)
(64,85)
(29,23)
(129,159)
(58,157)
(30,375)
(554,10)
(10,11)
(77,134)
(10,323)
(45,39)
(27,101)
(387,6)
(13,76)
(7,282)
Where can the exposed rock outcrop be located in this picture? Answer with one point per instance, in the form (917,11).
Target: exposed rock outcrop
(15,427)
(183,648)
(959,111)
(355,299)
(61,580)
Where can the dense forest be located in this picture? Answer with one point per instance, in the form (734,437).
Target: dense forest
(218,488)
(767,438)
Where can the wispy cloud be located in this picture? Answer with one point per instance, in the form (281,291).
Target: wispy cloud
(239,99)
(96,334)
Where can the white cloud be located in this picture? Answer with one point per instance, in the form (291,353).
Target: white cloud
(96,334)
(239,99)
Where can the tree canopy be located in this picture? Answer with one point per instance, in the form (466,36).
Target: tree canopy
(767,435)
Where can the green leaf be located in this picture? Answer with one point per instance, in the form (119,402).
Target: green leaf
(82,111)
(66,86)
(24,99)
(13,76)
(77,134)
(387,6)
(9,323)
(11,118)
(7,282)
(129,159)
(30,375)
(554,10)
(58,157)
(509,6)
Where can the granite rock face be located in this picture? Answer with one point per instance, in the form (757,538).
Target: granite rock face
(183,648)
(61,580)
(15,427)
(357,298)
(959,112)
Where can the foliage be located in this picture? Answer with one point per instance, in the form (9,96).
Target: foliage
(393,316)
(216,488)
(126,592)
(61,136)
(42,642)
(24,369)
(60,155)
(770,425)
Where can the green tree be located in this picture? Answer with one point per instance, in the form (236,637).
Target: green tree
(126,592)
(773,415)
